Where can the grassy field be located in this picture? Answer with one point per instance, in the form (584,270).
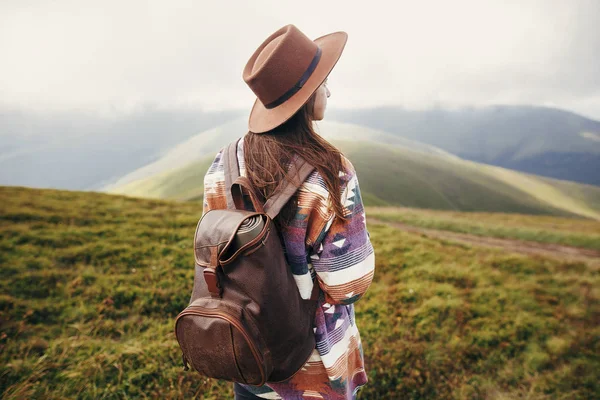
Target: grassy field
(392,175)
(91,284)
(577,232)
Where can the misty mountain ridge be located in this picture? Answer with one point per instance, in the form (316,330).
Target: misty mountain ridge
(76,150)
(83,151)
(209,142)
(393,171)
(538,140)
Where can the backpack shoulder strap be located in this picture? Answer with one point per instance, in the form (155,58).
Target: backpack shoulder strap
(232,170)
(300,169)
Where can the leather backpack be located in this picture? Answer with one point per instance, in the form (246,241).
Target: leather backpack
(246,321)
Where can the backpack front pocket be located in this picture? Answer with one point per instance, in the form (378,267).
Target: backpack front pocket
(218,342)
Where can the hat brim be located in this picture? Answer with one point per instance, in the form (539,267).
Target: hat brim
(262,119)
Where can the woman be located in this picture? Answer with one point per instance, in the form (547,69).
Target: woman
(323,227)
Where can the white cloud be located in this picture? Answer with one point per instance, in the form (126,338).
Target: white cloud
(119,54)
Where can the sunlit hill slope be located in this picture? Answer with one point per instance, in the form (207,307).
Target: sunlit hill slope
(392,171)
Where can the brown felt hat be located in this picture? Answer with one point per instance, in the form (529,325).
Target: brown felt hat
(285,71)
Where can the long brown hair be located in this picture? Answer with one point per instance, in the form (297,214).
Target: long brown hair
(267,154)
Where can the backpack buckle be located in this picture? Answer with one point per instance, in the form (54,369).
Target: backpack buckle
(212,282)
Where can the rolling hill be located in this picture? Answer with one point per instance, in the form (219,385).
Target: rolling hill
(209,142)
(394,171)
(538,140)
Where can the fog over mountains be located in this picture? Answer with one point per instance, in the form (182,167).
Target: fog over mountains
(88,152)
(74,150)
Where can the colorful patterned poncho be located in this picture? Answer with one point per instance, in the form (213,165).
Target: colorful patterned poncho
(340,256)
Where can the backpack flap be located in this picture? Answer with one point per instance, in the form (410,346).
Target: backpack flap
(214,243)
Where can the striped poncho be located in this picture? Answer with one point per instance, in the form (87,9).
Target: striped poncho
(338,254)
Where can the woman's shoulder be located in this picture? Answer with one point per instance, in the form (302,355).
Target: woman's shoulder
(348,167)
(346,172)
(315,182)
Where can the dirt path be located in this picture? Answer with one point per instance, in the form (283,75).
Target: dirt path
(518,246)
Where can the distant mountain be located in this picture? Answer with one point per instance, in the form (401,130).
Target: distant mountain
(391,172)
(75,150)
(189,150)
(210,141)
(537,140)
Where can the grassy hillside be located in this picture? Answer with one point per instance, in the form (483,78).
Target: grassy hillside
(395,175)
(184,183)
(426,181)
(91,284)
(537,140)
(199,146)
(208,143)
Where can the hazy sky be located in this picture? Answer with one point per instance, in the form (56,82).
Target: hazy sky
(116,55)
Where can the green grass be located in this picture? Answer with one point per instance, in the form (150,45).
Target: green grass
(91,284)
(544,229)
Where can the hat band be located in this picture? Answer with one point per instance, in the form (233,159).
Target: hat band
(299,84)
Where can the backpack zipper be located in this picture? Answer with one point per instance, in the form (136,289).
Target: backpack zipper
(204,312)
